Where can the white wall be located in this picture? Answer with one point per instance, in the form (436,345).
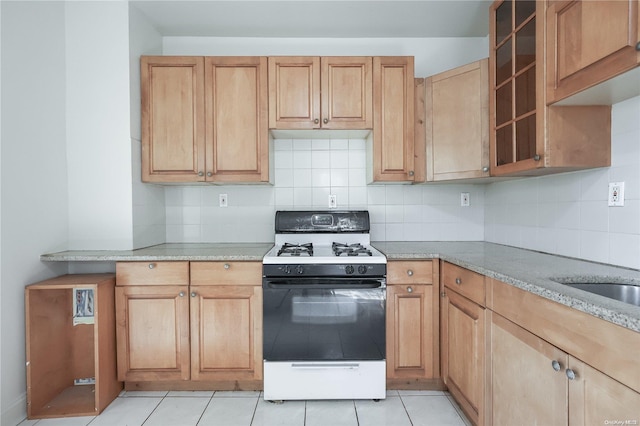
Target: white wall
(33,174)
(432,55)
(149,223)
(568,214)
(99,156)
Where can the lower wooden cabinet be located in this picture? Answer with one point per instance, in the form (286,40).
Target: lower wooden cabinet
(209,332)
(412,324)
(534,382)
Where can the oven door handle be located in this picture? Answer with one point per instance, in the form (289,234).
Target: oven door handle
(335,285)
(320,366)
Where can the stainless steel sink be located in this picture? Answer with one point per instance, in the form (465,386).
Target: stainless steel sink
(627,293)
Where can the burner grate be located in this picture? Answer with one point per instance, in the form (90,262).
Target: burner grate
(289,249)
(356,249)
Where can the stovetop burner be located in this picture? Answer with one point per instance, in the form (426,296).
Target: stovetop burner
(356,249)
(289,249)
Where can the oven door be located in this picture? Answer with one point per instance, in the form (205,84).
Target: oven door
(324,319)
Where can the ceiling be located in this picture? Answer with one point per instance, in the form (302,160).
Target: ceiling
(318,18)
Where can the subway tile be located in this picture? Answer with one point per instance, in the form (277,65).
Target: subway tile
(283,159)
(284,197)
(321,144)
(357,160)
(339,160)
(357,178)
(413,232)
(302,197)
(394,194)
(595,185)
(339,144)
(320,177)
(626,219)
(321,159)
(284,178)
(301,159)
(594,216)
(302,178)
(568,242)
(624,250)
(625,148)
(594,246)
(320,197)
(358,197)
(412,214)
(394,213)
(376,195)
(191,196)
(394,231)
(624,116)
(339,177)
(302,144)
(282,145)
(357,144)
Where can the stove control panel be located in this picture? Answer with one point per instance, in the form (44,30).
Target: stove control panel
(324,270)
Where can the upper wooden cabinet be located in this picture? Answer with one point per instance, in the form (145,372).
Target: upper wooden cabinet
(320,92)
(204,119)
(391,155)
(457,123)
(526,136)
(589,42)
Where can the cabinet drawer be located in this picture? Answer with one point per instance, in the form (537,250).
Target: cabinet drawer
(465,282)
(410,272)
(152,273)
(226,273)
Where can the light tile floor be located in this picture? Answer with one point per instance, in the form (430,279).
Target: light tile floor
(400,408)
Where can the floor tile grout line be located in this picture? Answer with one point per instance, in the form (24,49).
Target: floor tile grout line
(154,409)
(205,408)
(405,409)
(255,409)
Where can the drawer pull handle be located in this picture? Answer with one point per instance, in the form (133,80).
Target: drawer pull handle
(227,266)
(181,294)
(571,375)
(410,272)
(409,290)
(555,365)
(458,281)
(152,265)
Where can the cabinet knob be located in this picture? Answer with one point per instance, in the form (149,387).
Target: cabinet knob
(443,294)
(325,121)
(638,46)
(316,121)
(458,281)
(411,173)
(193,294)
(181,294)
(555,365)
(152,265)
(536,157)
(200,173)
(571,375)
(227,266)
(409,290)
(409,272)
(209,174)
(485,169)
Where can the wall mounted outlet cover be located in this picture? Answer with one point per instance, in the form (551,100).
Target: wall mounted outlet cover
(616,194)
(465,199)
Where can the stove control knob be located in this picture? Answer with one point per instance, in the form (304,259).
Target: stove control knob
(299,269)
(286,269)
(362,269)
(349,269)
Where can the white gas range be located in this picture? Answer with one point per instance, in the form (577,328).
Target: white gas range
(324,296)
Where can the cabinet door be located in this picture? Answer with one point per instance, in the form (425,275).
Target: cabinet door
(226,332)
(237,134)
(457,109)
(410,319)
(463,352)
(347,92)
(294,92)
(589,42)
(173,148)
(393,119)
(152,329)
(526,389)
(597,399)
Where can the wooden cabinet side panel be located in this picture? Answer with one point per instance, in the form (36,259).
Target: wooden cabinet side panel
(237,140)
(172,100)
(152,333)
(522,371)
(393,130)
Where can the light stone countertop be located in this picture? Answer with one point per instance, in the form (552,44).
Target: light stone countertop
(167,252)
(529,270)
(532,271)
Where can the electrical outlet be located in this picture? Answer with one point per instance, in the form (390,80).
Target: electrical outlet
(464,199)
(223,200)
(616,194)
(333,201)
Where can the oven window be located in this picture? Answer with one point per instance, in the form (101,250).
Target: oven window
(323,324)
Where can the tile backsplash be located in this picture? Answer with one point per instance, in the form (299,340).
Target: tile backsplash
(306,173)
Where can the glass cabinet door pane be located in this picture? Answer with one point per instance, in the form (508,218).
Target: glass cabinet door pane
(504,145)
(526,92)
(504,24)
(504,63)
(504,104)
(524,9)
(526,45)
(526,138)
